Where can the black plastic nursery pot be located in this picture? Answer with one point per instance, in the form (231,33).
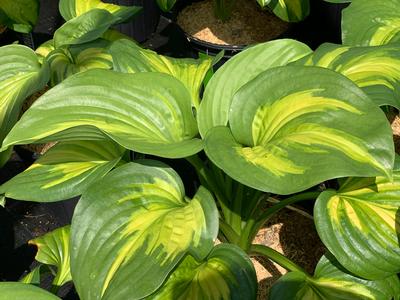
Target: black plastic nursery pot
(144,24)
(322,25)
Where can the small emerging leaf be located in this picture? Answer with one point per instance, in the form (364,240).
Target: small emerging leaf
(54,250)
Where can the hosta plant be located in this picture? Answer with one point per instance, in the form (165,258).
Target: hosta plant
(273,122)
(19,15)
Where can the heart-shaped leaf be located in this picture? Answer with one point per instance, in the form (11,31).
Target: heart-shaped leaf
(23,291)
(21,75)
(369,23)
(359,224)
(376,70)
(19,15)
(227,273)
(330,282)
(131,58)
(132,228)
(54,249)
(65,171)
(239,70)
(291,128)
(70,9)
(146,112)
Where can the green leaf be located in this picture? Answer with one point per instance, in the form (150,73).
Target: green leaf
(19,15)
(291,128)
(290,10)
(133,227)
(226,274)
(65,171)
(64,64)
(239,70)
(2,201)
(367,23)
(376,70)
(21,75)
(23,291)
(359,225)
(70,9)
(131,58)
(84,28)
(145,112)
(44,49)
(166,5)
(330,282)
(54,250)
(34,276)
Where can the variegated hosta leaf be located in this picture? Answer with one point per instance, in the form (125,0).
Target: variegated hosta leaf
(238,71)
(131,58)
(359,224)
(24,291)
(332,282)
(290,10)
(146,112)
(20,76)
(376,70)
(291,128)
(19,15)
(64,64)
(33,277)
(70,9)
(85,28)
(54,250)
(369,23)
(133,227)
(226,274)
(65,171)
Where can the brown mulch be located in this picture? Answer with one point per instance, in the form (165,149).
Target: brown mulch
(395,123)
(249,24)
(2,29)
(293,235)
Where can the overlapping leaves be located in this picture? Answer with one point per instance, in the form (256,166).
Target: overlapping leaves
(133,227)
(21,75)
(376,70)
(19,15)
(238,71)
(288,10)
(129,108)
(331,281)
(291,128)
(131,58)
(359,224)
(65,171)
(218,277)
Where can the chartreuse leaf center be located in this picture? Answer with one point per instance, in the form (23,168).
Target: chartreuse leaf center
(145,226)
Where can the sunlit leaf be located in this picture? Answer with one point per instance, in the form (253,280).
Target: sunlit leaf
(371,23)
(289,10)
(70,9)
(131,58)
(64,171)
(238,71)
(291,128)
(330,282)
(129,108)
(359,224)
(20,76)
(376,70)
(132,228)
